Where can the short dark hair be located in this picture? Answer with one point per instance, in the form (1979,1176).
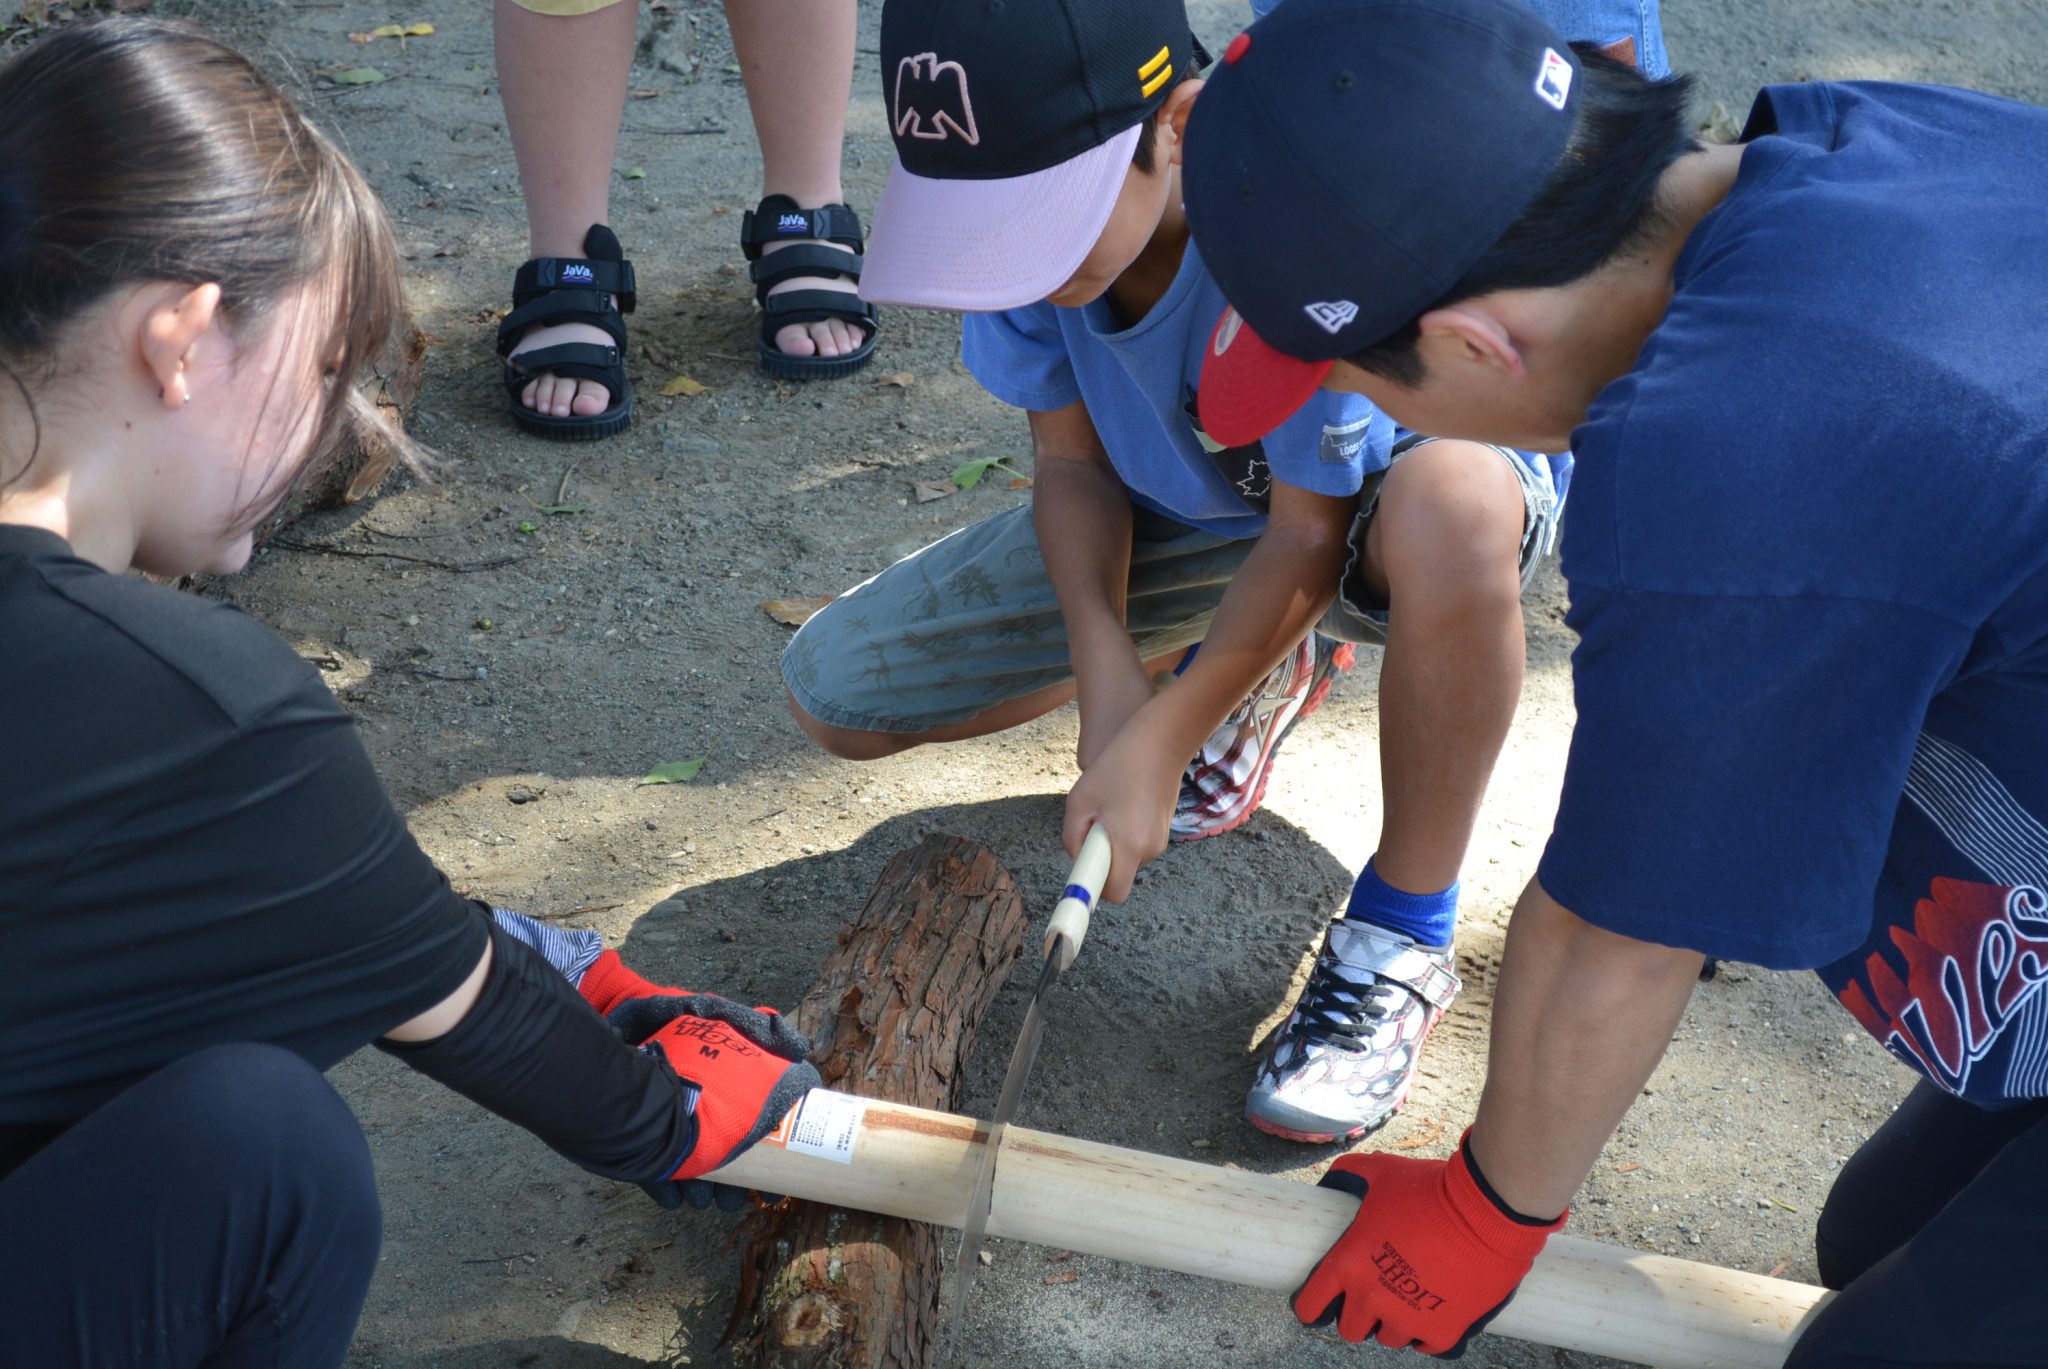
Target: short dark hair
(1145,154)
(1600,200)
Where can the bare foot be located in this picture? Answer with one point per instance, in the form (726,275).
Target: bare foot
(559,396)
(828,337)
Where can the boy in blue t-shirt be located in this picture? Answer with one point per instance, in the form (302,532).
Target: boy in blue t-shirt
(1038,189)
(1812,719)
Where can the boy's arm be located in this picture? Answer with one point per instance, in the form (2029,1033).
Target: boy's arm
(1278,593)
(1082,514)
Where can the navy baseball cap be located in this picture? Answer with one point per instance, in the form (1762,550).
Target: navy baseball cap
(1015,122)
(1347,163)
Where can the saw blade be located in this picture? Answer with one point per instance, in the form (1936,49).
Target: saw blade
(981,1199)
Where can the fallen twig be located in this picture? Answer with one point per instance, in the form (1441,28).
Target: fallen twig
(579,912)
(458,567)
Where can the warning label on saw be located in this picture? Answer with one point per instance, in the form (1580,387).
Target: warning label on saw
(824,1124)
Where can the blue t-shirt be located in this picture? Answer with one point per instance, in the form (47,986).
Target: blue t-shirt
(1139,386)
(1630,29)
(1808,557)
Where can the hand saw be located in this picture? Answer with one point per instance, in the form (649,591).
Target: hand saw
(1062,943)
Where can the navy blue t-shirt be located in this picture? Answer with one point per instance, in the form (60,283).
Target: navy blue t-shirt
(1808,558)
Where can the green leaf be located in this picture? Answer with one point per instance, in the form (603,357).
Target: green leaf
(732,68)
(355,76)
(551,510)
(968,474)
(675,772)
(529,527)
(638,173)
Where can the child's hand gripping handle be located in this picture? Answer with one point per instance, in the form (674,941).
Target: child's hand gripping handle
(1084,885)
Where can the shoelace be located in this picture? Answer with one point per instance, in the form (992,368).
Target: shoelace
(1334,1006)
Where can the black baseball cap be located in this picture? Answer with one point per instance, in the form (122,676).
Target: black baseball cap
(1015,122)
(1348,162)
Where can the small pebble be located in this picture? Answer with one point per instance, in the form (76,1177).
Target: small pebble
(519,793)
(985,1258)
(727,934)
(1201,1145)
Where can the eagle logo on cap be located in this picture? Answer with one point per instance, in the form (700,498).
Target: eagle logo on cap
(931,100)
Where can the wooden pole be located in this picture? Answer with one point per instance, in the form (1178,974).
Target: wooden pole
(1250,1229)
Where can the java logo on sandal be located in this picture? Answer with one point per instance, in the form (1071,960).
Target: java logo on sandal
(578,273)
(793,223)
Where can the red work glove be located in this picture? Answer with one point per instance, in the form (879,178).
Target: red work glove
(1430,1259)
(609,982)
(747,1065)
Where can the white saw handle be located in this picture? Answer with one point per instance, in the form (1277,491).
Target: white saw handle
(1084,886)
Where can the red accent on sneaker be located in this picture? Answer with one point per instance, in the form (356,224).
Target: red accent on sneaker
(1228,803)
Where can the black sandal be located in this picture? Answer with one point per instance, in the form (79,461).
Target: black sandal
(597,289)
(778,219)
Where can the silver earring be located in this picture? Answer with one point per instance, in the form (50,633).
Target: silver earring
(188,397)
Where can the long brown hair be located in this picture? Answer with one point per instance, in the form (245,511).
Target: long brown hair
(135,151)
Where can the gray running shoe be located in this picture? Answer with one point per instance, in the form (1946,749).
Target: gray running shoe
(1343,1062)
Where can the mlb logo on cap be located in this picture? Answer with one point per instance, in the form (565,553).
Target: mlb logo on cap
(1554,82)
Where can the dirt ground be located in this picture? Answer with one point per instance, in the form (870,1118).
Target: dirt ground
(513,708)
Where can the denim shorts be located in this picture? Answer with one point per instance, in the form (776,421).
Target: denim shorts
(970,621)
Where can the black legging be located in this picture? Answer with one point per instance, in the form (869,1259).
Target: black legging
(1937,1233)
(221,1213)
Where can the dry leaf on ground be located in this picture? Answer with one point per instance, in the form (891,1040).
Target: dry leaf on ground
(928,490)
(902,380)
(795,612)
(683,385)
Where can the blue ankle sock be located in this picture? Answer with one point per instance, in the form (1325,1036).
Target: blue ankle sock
(1429,918)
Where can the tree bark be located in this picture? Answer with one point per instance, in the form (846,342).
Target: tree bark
(893,1015)
(365,462)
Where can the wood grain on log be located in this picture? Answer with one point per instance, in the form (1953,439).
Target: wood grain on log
(893,1015)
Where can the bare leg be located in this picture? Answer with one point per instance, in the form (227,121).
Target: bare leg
(1441,549)
(851,745)
(796,57)
(563,79)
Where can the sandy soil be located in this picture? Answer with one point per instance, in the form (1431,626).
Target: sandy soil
(512,709)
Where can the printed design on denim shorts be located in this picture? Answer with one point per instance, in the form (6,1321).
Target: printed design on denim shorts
(930,645)
(972,584)
(1976,955)
(878,671)
(932,100)
(1341,441)
(1244,467)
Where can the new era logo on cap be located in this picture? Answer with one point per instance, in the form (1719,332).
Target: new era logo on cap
(1554,81)
(932,101)
(1332,315)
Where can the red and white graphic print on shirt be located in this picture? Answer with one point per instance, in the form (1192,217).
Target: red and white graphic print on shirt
(1976,955)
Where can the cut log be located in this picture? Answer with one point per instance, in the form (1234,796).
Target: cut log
(1256,1229)
(893,1015)
(365,462)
